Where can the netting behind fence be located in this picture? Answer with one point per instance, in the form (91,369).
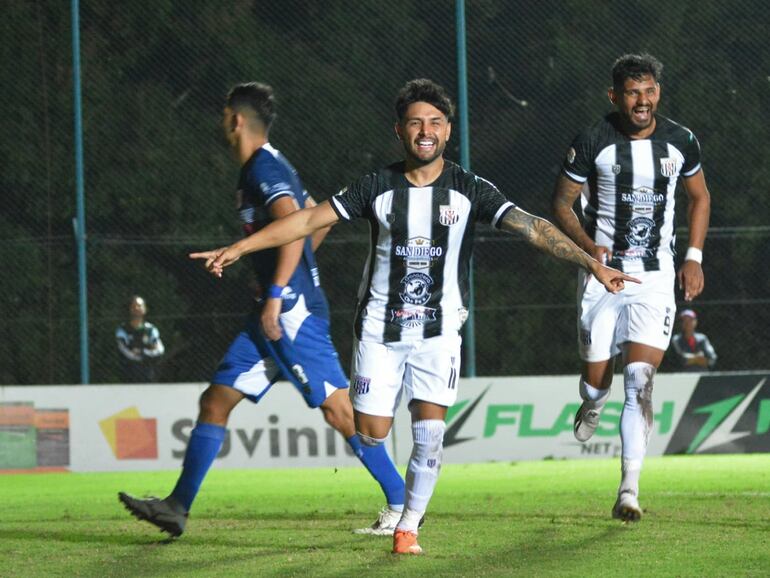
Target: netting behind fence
(159,180)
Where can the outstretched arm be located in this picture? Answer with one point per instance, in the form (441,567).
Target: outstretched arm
(319,236)
(543,235)
(295,226)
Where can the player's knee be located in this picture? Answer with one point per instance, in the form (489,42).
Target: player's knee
(213,409)
(639,379)
(370,441)
(338,417)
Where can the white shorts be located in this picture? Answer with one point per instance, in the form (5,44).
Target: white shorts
(642,313)
(428,370)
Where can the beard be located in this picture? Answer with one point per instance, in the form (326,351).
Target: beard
(414,157)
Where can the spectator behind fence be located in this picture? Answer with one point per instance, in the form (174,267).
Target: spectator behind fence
(139,344)
(692,351)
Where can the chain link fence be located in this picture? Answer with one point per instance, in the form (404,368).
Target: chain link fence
(159,181)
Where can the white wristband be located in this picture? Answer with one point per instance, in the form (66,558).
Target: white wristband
(694,254)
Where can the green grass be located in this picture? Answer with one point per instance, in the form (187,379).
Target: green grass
(704,516)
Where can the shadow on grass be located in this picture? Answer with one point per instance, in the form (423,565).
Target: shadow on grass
(74,536)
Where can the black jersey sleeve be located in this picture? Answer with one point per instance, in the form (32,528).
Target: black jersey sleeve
(492,204)
(579,160)
(691,155)
(354,201)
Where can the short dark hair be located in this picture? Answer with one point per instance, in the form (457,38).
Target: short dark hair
(635,66)
(423,90)
(253,99)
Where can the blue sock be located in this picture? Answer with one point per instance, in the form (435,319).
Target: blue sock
(205,442)
(379,464)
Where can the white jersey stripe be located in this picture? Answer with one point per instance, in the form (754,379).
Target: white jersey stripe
(452,303)
(375,314)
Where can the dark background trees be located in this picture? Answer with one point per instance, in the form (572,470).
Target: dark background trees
(159,181)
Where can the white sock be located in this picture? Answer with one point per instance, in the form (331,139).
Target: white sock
(594,398)
(422,471)
(635,422)
(630,470)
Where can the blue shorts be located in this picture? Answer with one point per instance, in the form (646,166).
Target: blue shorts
(304,355)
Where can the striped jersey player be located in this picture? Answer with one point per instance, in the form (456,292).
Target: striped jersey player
(413,296)
(625,168)
(628,197)
(415,284)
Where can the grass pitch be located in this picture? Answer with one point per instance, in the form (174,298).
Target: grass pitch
(704,516)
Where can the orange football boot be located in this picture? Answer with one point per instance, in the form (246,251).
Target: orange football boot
(405,542)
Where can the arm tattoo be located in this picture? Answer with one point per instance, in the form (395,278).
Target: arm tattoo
(543,235)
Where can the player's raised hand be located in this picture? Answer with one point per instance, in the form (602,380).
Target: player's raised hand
(691,279)
(217,259)
(612,279)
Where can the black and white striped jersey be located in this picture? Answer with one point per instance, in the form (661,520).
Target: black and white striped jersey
(628,200)
(415,282)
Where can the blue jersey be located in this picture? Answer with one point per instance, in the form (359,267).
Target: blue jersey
(266,177)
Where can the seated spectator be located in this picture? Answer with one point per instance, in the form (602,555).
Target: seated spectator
(692,351)
(139,345)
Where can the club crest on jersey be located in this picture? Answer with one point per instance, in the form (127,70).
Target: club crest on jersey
(571,154)
(415,288)
(668,167)
(448,215)
(639,231)
(419,252)
(412,317)
(361,384)
(615,169)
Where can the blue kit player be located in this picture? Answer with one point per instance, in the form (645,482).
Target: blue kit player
(287,337)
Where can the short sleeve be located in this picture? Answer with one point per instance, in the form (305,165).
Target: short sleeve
(691,156)
(579,160)
(354,201)
(492,204)
(271,180)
